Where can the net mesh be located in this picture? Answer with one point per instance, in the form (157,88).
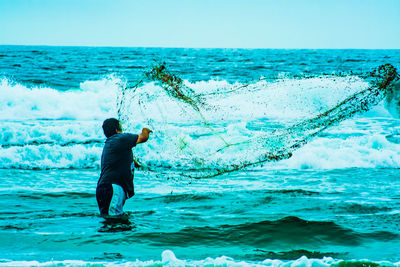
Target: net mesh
(196,125)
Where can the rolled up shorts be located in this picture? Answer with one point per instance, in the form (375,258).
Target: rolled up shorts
(110,199)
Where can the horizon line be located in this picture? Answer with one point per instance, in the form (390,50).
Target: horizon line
(188,47)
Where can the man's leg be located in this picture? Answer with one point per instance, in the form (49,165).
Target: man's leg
(104,193)
(117,200)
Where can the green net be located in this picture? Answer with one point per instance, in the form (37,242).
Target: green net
(254,151)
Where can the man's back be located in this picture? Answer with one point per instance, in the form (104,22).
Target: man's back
(116,161)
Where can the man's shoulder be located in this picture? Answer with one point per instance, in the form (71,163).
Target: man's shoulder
(123,136)
(128,139)
(129,136)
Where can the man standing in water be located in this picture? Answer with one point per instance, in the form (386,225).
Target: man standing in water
(116,178)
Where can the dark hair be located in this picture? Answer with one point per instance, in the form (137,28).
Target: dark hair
(111,126)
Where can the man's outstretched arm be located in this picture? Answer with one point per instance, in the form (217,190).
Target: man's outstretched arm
(144,136)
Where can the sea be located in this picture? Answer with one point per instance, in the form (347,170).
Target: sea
(201,196)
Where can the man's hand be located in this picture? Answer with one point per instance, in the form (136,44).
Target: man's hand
(146,130)
(137,164)
(144,136)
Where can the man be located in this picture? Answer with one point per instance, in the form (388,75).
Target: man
(116,178)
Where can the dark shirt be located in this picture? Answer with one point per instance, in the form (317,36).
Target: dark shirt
(116,161)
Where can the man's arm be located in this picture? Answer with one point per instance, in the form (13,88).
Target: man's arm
(144,136)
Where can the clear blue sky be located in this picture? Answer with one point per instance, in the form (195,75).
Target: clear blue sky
(202,23)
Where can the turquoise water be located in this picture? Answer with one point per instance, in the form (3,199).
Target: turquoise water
(337,198)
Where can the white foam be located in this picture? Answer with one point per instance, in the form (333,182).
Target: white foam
(169,259)
(283,100)
(57,132)
(372,151)
(237,115)
(50,156)
(95,100)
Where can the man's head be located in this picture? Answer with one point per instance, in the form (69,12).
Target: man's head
(111,126)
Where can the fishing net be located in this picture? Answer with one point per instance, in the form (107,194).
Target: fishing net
(204,132)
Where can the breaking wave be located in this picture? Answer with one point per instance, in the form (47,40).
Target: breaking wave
(44,128)
(168,258)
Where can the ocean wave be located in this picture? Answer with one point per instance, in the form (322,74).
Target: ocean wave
(368,151)
(356,208)
(51,195)
(289,231)
(198,197)
(77,147)
(50,157)
(94,100)
(168,258)
(43,128)
(80,150)
(284,98)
